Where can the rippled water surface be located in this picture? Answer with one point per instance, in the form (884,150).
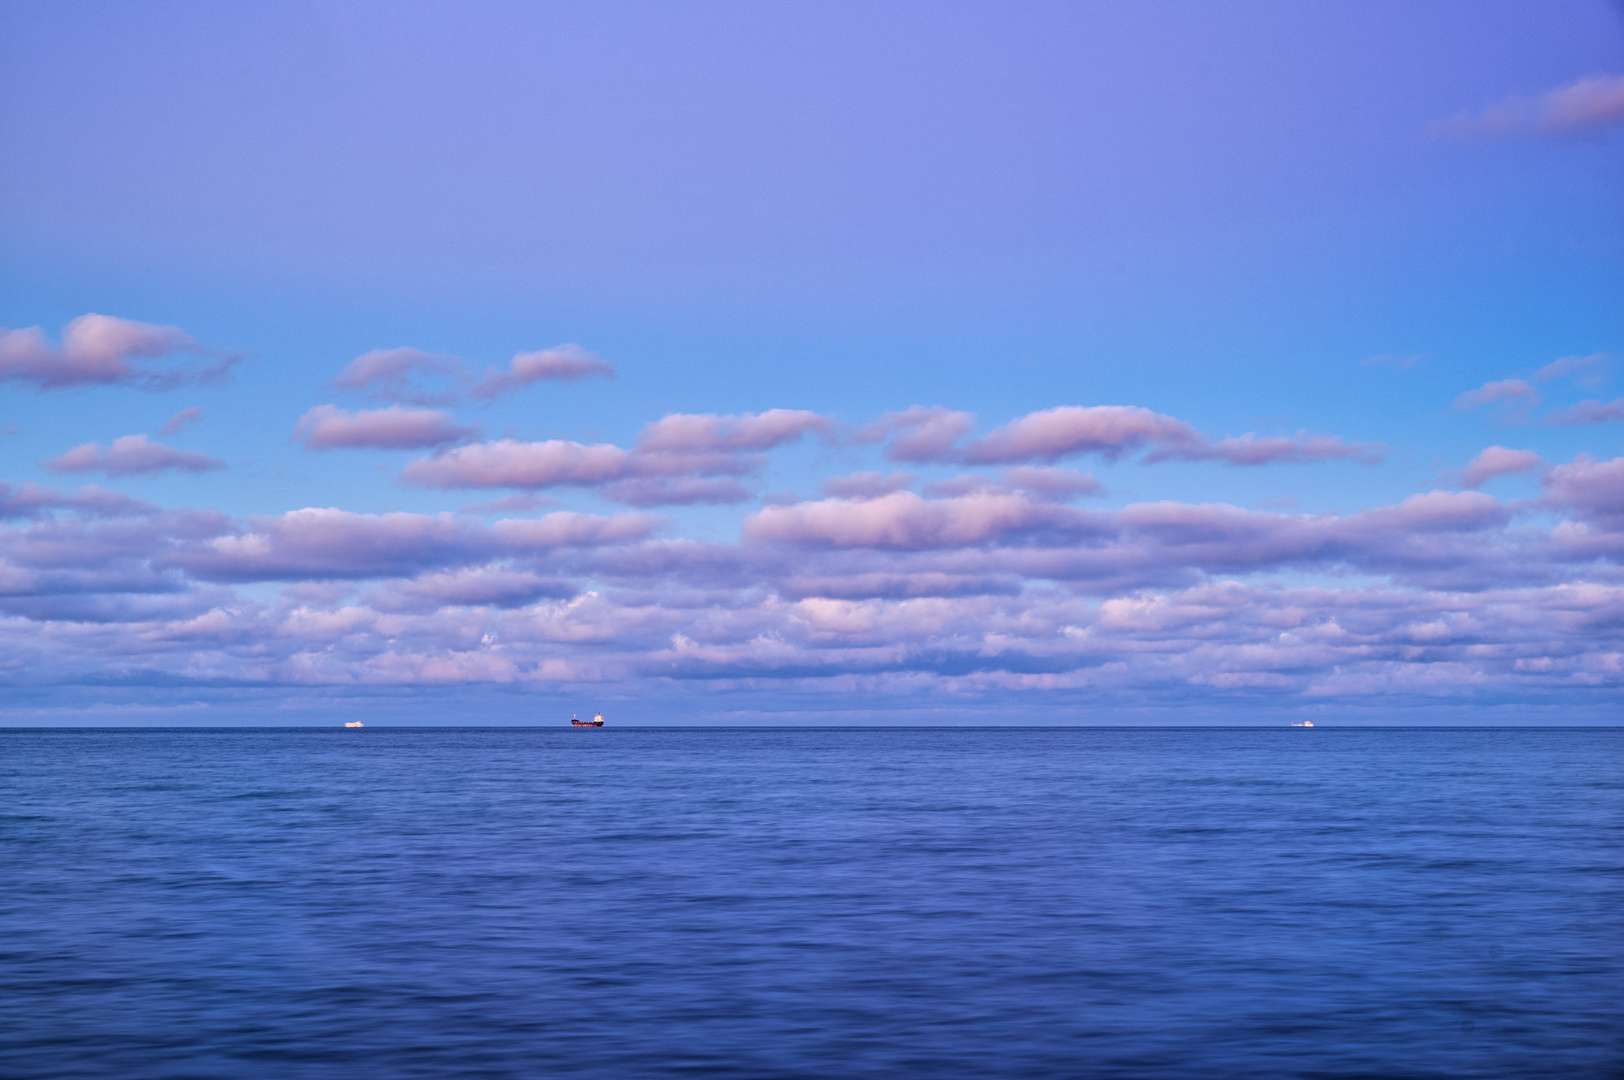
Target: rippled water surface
(812,903)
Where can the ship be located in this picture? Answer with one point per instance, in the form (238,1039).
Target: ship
(1302,723)
(596,721)
(353,723)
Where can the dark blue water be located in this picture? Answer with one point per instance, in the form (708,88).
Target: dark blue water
(812,903)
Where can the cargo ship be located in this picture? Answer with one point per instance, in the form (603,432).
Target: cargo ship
(596,721)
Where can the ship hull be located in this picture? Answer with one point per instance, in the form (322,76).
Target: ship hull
(586,723)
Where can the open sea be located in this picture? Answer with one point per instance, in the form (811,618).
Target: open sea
(812,902)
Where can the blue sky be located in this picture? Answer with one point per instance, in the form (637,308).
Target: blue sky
(1300,222)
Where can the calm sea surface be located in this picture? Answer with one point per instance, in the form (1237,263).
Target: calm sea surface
(755,903)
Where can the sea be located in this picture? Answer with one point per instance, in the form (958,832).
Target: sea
(996,902)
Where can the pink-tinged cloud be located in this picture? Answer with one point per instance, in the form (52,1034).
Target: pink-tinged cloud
(1566,366)
(1110,430)
(1588,412)
(697,433)
(676,491)
(919,434)
(408,376)
(962,484)
(511,463)
(101,349)
(1591,104)
(867,485)
(130,455)
(991,596)
(181,420)
(1252,449)
(510,504)
(1499,461)
(1587,104)
(327,543)
(1436,537)
(904,520)
(566,529)
(33,500)
(414,377)
(327,427)
(1432,512)
(1500,390)
(670,464)
(1115,430)
(476,586)
(1594,488)
(561,363)
(1052,482)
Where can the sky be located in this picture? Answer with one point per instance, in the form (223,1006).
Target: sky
(991,363)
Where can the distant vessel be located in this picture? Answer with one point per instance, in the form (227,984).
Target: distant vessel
(1302,723)
(353,723)
(596,721)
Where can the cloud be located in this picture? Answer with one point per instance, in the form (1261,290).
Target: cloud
(703,433)
(1594,488)
(668,465)
(1434,538)
(905,520)
(32,501)
(413,377)
(407,376)
(1587,105)
(478,586)
(1501,390)
(1588,412)
(1053,482)
(919,434)
(565,529)
(1112,431)
(181,420)
(867,485)
(990,598)
(1499,461)
(561,363)
(1040,481)
(1271,450)
(327,427)
(104,350)
(1566,366)
(328,543)
(512,463)
(331,543)
(510,504)
(131,455)
(675,491)
(1109,430)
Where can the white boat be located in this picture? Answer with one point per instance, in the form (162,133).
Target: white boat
(353,723)
(1302,723)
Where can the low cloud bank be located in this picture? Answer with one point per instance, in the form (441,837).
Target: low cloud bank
(878,591)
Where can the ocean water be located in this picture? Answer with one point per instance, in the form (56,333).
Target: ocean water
(755,903)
